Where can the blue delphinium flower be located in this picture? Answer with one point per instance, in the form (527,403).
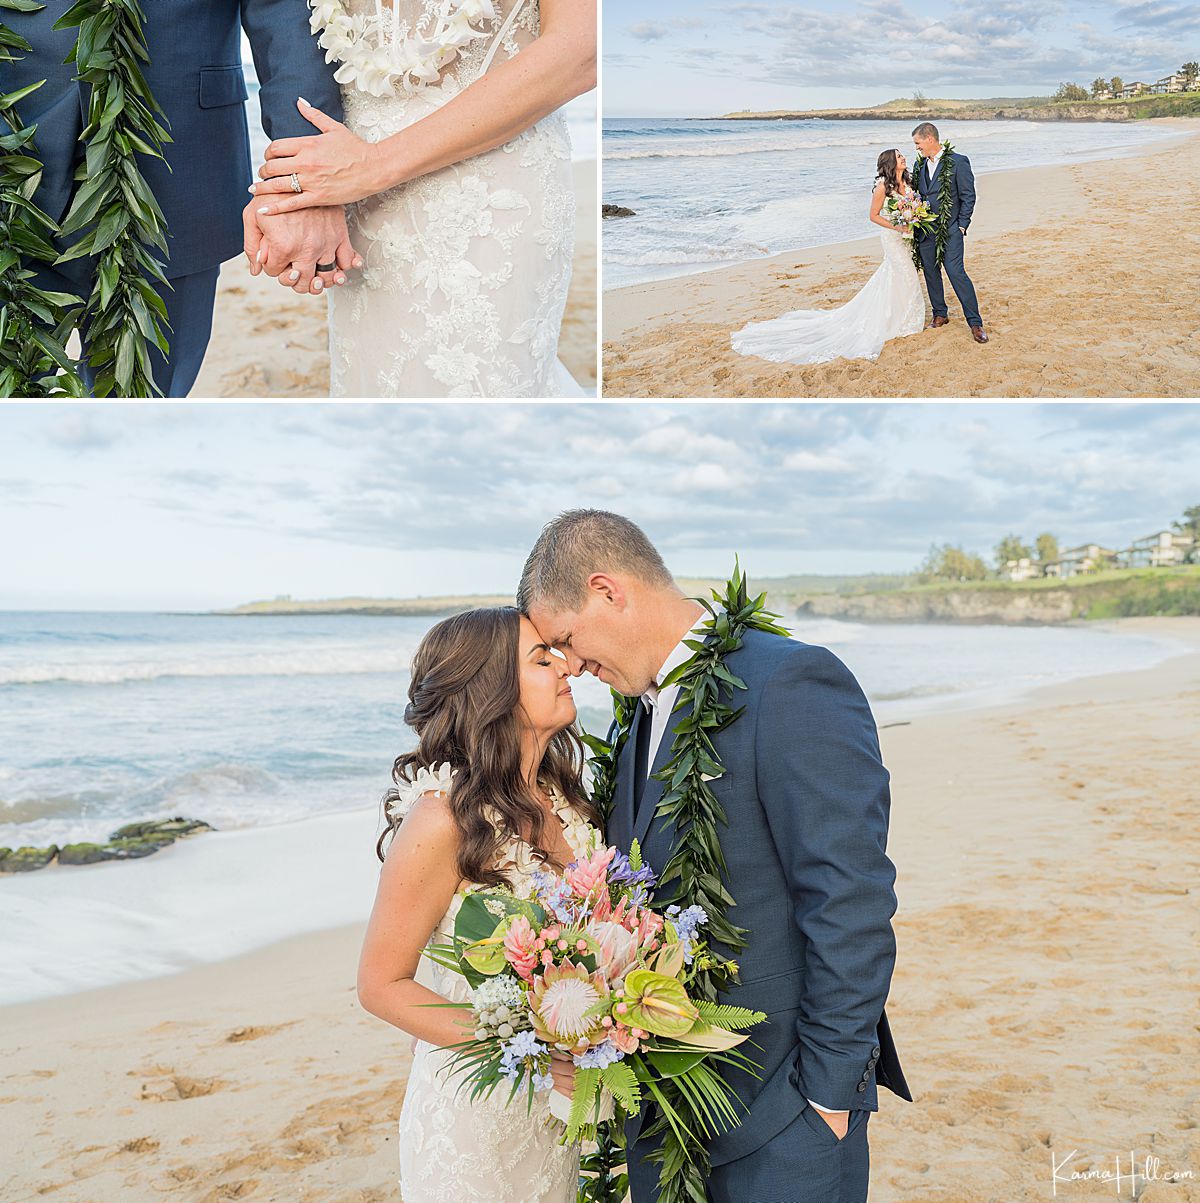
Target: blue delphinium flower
(516,1051)
(687,923)
(622,873)
(599,1057)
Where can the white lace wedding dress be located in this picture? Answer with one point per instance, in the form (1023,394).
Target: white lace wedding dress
(890,305)
(467,268)
(453,1150)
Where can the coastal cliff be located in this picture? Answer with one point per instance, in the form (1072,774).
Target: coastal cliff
(1119,594)
(1035,108)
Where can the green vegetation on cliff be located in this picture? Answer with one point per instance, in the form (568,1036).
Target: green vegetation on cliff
(1021,108)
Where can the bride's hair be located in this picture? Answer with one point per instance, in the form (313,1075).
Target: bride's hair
(463,700)
(885,170)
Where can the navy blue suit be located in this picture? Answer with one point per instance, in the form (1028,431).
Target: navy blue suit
(807,800)
(195,73)
(962,206)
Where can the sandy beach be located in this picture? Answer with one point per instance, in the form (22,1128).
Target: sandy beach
(268,342)
(1043,1002)
(1083,273)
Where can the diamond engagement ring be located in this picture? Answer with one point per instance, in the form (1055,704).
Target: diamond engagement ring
(296,183)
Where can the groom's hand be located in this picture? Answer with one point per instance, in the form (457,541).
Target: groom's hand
(289,246)
(839,1121)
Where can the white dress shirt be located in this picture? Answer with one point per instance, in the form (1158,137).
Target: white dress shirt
(660,702)
(931,164)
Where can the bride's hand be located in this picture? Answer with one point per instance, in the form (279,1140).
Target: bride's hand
(562,1068)
(334,167)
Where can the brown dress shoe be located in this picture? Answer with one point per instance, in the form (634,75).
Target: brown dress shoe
(939,321)
(978,334)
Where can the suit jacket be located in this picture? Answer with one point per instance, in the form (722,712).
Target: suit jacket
(806,797)
(962,191)
(195,73)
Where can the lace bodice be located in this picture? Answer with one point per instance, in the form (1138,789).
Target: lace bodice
(516,859)
(486,1151)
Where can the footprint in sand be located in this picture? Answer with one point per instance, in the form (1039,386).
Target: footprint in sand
(256,1032)
(178,1086)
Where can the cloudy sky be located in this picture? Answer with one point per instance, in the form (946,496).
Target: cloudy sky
(191,506)
(701,58)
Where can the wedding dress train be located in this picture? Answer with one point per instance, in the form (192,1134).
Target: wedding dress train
(486,1151)
(466,269)
(890,305)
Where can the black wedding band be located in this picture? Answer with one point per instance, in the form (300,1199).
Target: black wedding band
(326,267)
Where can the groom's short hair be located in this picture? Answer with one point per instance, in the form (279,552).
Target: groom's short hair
(926,130)
(579,542)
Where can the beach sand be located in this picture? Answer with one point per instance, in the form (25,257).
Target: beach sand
(1085,276)
(268,342)
(1044,998)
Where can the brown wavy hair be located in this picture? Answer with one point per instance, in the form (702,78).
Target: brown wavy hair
(885,169)
(464,698)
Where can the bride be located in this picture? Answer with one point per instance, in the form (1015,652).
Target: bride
(455,164)
(890,304)
(491,795)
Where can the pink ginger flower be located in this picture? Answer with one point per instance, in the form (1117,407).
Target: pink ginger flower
(590,874)
(520,947)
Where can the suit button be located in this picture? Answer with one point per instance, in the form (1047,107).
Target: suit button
(861,1087)
(867,1076)
(875,1053)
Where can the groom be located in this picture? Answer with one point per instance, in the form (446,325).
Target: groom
(929,182)
(807,802)
(195,74)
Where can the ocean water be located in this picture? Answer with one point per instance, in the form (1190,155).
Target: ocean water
(708,193)
(580,115)
(256,722)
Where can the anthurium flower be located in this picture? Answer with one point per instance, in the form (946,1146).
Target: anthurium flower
(658,1003)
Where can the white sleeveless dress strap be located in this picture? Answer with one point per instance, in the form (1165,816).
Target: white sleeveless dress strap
(501,34)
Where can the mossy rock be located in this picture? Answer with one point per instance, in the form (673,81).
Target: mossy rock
(25,860)
(164,830)
(91,854)
(616,211)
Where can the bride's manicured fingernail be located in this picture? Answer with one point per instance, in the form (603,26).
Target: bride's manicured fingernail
(304,102)
(265,209)
(358,262)
(318,283)
(293,275)
(340,279)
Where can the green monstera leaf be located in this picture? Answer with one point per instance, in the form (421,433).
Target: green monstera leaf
(658,1004)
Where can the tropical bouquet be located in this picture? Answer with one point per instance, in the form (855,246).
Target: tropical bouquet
(910,211)
(585,967)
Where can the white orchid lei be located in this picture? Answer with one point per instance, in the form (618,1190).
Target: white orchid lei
(377,57)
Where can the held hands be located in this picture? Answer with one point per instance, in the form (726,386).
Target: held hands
(334,167)
(288,247)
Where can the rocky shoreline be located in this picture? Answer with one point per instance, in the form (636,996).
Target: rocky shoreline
(130,842)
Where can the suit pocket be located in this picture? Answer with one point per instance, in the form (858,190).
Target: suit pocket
(220,86)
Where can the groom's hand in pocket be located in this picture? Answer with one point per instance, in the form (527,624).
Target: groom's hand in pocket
(839,1121)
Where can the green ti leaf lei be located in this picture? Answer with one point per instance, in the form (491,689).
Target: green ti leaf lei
(114,211)
(945,202)
(697,864)
(34,323)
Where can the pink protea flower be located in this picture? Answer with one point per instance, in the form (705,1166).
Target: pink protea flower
(559,1001)
(588,875)
(649,925)
(618,949)
(520,947)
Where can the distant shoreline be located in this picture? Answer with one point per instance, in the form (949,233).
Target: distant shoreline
(1032,108)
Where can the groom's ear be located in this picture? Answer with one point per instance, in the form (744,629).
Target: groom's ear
(608,588)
